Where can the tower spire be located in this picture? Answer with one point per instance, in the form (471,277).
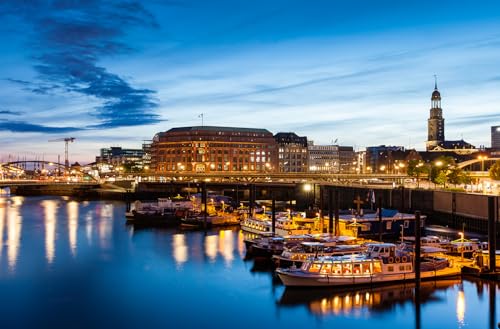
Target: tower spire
(435,82)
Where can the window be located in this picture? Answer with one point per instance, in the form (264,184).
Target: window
(315,267)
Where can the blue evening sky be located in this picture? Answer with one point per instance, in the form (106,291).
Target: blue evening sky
(114,73)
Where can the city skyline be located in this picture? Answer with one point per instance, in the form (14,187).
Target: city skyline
(359,73)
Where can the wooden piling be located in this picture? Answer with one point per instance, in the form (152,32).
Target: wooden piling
(417,247)
(273,216)
(337,213)
(491,232)
(204,201)
(380,223)
(330,210)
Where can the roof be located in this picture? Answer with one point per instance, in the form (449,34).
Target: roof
(217,128)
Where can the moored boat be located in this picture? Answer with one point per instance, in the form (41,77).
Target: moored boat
(381,263)
(296,255)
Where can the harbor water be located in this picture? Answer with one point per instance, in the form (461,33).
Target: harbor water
(68,263)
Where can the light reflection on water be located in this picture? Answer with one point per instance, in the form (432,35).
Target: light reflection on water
(50,210)
(94,257)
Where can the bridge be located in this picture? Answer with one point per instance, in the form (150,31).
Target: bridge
(478,163)
(29,169)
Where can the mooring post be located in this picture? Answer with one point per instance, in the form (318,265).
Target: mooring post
(273,209)
(491,232)
(417,248)
(204,201)
(337,213)
(251,201)
(330,210)
(403,209)
(380,223)
(321,206)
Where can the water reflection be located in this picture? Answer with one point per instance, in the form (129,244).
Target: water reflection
(210,245)
(72,208)
(461,307)
(50,216)
(356,301)
(10,229)
(213,244)
(180,249)
(105,225)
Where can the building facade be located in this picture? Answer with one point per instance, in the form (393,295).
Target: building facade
(116,157)
(495,138)
(293,155)
(331,159)
(382,158)
(214,149)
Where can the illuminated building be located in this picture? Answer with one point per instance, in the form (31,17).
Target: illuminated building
(214,149)
(292,152)
(495,138)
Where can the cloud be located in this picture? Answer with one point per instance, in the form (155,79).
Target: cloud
(19,126)
(69,38)
(475,119)
(8,112)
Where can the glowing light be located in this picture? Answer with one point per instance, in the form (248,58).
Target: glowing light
(227,246)
(307,187)
(211,247)
(14,222)
(72,208)
(461,308)
(180,249)
(50,211)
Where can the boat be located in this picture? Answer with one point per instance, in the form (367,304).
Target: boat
(161,217)
(297,255)
(462,247)
(368,225)
(163,212)
(257,225)
(381,263)
(267,246)
(200,220)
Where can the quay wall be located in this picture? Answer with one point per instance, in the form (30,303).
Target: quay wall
(453,209)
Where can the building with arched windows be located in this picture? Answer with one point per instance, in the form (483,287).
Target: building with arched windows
(214,149)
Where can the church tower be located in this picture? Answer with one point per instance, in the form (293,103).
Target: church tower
(435,123)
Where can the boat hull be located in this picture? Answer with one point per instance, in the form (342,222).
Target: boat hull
(297,278)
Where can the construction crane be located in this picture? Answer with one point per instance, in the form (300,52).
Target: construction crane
(66,141)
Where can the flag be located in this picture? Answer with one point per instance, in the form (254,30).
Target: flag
(372,196)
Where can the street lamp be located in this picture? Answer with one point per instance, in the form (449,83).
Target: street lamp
(461,244)
(382,168)
(482,158)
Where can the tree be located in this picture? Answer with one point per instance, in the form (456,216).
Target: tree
(495,171)
(417,169)
(440,167)
(441,178)
(455,176)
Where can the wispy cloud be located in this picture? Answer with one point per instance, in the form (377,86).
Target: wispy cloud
(476,119)
(8,112)
(19,126)
(69,38)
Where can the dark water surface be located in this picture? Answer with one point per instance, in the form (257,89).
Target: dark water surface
(75,264)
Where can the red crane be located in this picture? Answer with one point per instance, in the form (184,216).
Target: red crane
(66,141)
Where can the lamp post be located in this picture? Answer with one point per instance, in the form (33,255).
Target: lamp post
(482,158)
(461,245)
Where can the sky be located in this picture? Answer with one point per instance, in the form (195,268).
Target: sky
(115,73)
